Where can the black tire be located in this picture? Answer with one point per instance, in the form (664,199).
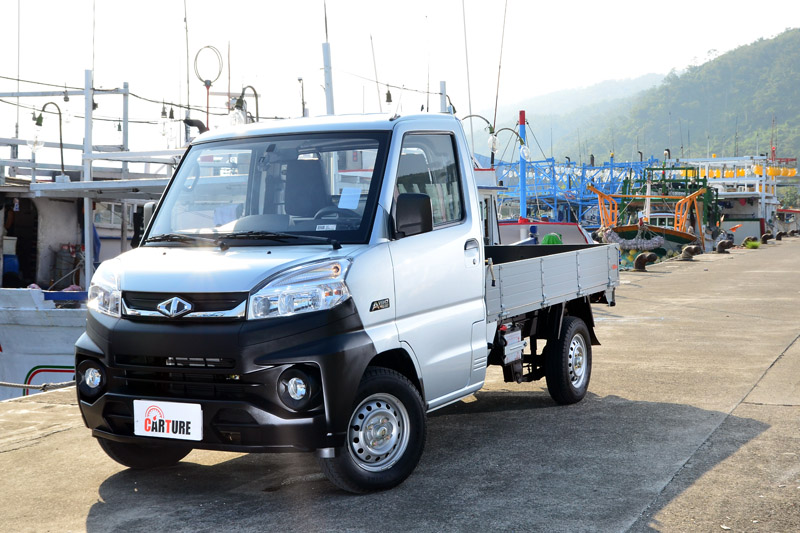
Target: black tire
(143,457)
(394,406)
(568,362)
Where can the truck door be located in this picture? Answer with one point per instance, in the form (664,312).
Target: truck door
(438,275)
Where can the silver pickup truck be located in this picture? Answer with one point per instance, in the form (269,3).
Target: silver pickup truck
(321,285)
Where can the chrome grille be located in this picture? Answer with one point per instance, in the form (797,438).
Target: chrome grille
(219,305)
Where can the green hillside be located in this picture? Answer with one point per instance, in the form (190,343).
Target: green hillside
(725,106)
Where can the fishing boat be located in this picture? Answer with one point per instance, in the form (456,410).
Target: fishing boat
(533,231)
(746,189)
(59,222)
(635,238)
(684,199)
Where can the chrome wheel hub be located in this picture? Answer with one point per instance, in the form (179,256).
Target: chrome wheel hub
(378,433)
(577,361)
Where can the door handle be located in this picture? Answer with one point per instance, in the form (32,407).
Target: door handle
(472,253)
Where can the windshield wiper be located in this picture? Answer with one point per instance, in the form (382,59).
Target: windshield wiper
(273,235)
(181,237)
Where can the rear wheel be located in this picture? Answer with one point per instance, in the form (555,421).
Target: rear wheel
(143,457)
(385,436)
(568,362)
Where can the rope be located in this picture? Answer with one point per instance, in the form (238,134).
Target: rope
(44,387)
(535,139)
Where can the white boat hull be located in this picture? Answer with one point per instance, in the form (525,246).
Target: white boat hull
(36,340)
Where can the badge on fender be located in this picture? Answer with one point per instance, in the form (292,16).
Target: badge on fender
(379,305)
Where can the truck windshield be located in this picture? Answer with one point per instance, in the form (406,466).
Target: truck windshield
(323,186)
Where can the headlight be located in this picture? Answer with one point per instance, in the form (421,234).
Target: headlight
(104,293)
(303,289)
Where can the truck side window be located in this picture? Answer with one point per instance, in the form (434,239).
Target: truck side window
(428,165)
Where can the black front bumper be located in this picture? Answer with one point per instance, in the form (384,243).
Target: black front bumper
(232,369)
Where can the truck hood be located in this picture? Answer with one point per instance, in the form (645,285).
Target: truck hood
(205,269)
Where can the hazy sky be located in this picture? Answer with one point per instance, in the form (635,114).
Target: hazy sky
(549,46)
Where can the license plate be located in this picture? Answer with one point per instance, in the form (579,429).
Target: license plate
(168,420)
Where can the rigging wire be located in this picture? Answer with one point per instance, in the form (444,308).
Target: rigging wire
(535,188)
(466,59)
(18,80)
(98,90)
(221,108)
(375,69)
(400,87)
(16,125)
(186,33)
(94,13)
(95,117)
(499,65)
(502,155)
(179,106)
(527,124)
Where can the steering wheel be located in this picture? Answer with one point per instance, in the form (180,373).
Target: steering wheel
(338,211)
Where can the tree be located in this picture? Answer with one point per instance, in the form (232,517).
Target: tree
(789,196)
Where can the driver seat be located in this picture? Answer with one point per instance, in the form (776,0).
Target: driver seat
(306,190)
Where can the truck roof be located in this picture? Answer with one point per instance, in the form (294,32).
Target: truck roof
(367,122)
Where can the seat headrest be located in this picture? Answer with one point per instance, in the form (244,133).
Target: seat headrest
(412,164)
(306,190)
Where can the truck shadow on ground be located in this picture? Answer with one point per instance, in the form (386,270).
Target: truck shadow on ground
(503,461)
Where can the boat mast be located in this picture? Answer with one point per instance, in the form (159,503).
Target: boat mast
(88,222)
(326,60)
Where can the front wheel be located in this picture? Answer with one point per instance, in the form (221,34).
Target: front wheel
(385,436)
(143,457)
(568,362)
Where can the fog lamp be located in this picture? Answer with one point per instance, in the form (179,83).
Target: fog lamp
(92,377)
(299,387)
(296,388)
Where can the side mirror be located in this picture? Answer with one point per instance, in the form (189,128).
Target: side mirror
(149,209)
(413,214)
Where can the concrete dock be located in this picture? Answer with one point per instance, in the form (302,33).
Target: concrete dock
(692,423)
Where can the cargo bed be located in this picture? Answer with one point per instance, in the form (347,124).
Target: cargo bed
(521,279)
